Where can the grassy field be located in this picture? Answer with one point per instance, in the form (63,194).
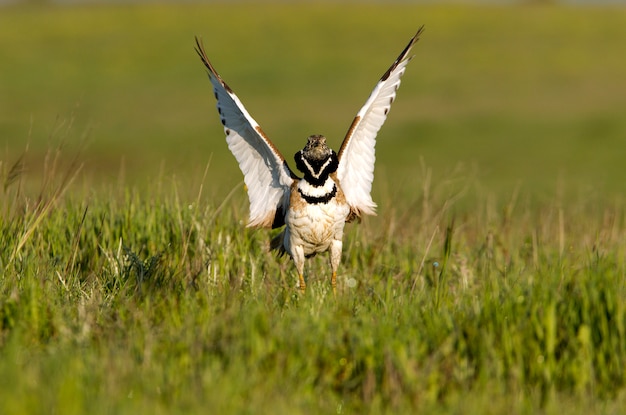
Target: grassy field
(492,281)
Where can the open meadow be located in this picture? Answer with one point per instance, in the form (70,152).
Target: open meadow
(492,281)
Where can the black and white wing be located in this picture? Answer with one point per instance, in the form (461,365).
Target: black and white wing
(357,152)
(266,173)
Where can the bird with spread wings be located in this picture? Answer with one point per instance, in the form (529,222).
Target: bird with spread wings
(335,187)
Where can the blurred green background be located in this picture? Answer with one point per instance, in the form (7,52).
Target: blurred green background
(529,97)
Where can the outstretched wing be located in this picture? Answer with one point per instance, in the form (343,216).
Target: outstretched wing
(357,152)
(266,173)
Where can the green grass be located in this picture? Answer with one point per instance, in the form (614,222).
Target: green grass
(492,281)
(126,305)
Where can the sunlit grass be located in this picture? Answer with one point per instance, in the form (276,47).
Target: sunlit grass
(164,304)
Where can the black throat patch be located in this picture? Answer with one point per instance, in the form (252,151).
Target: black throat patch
(314,200)
(316,171)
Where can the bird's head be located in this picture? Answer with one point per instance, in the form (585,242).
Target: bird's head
(316,149)
(316,160)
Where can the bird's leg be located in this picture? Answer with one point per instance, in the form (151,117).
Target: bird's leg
(301,283)
(335,258)
(298,259)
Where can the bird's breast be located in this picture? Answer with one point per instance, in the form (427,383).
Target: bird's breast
(316,216)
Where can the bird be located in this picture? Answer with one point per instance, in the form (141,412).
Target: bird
(335,187)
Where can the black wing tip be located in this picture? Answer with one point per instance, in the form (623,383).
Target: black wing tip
(199,47)
(207,63)
(419,33)
(412,42)
(414,39)
(404,53)
(202,54)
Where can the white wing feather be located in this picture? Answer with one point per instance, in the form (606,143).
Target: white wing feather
(357,152)
(266,173)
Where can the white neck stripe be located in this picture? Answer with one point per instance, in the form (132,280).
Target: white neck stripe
(318,174)
(316,191)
